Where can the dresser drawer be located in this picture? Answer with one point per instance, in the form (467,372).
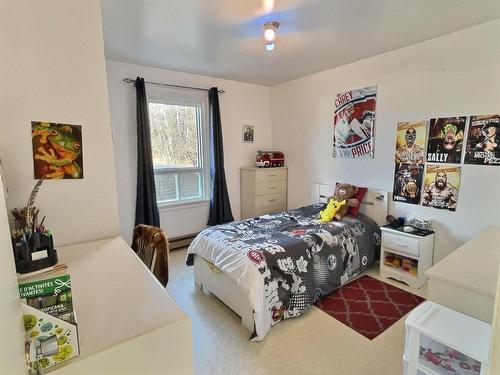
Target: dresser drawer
(270,174)
(270,200)
(401,244)
(270,187)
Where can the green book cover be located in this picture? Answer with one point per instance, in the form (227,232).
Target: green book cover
(51,295)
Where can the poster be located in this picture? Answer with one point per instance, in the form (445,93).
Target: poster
(410,142)
(441,186)
(446,139)
(408,182)
(57,150)
(483,140)
(248,133)
(354,123)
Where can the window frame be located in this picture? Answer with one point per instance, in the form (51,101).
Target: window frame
(200,102)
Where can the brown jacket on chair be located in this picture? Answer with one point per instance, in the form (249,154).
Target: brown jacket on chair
(145,237)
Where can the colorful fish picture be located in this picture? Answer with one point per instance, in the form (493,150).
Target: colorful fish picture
(57,150)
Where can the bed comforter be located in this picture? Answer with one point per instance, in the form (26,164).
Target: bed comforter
(285,262)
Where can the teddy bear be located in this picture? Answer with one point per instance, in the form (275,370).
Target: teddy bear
(344,193)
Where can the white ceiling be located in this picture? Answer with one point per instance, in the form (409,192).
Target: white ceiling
(223,38)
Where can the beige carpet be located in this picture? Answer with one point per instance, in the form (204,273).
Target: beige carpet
(314,343)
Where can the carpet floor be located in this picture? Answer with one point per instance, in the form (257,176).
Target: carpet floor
(311,344)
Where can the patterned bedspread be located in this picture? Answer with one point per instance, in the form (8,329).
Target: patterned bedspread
(285,262)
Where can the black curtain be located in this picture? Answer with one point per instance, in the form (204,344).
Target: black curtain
(146,208)
(220,208)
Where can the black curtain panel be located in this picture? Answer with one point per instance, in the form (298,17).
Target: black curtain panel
(220,208)
(146,208)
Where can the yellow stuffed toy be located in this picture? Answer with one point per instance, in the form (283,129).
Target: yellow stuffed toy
(331,209)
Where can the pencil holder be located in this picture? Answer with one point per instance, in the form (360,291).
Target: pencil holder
(35,253)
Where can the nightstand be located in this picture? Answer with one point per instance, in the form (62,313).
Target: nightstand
(406,256)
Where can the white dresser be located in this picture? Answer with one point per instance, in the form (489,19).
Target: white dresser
(466,280)
(263,191)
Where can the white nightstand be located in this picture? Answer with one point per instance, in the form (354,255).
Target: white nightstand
(405,256)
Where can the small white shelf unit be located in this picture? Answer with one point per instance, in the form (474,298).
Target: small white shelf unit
(441,341)
(408,249)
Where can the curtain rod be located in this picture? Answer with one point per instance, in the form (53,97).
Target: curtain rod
(130,80)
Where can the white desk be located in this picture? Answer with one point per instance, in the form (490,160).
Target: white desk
(127,322)
(466,279)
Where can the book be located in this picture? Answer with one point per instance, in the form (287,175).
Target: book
(50,292)
(47,305)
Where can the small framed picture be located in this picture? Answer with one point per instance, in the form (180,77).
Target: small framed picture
(248,133)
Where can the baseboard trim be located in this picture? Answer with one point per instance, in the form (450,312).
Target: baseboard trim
(181,241)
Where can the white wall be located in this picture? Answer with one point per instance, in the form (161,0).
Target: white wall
(457,74)
(241,104)
(54,70)
(12,357)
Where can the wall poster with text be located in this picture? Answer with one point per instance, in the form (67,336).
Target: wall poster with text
(408,182)
(410,142)
(354,123)
(483,140)
(441,186)
(446,139)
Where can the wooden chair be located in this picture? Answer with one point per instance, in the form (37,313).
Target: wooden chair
(151,245)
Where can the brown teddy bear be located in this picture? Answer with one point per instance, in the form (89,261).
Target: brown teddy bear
(344,192)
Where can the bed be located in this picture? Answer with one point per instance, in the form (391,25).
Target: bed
(274,267)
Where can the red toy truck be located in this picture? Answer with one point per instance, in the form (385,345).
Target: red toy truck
(268,159)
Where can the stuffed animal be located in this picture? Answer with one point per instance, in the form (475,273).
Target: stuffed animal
(331,209)
(344,192)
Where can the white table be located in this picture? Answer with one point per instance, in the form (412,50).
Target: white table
(127,322)
(466,279)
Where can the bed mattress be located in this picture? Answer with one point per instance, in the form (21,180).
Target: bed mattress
(285,262)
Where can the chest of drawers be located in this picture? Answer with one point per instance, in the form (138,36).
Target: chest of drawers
(263,191)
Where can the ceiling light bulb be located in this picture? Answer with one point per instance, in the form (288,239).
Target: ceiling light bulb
(269,35)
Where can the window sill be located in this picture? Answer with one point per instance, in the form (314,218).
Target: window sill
(174,206)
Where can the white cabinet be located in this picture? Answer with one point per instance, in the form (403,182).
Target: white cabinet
(405,257)
(263,191)
(441,341)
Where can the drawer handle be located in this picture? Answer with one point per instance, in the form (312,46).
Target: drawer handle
(272,188)
(272,175)
(402,244)
(272,200)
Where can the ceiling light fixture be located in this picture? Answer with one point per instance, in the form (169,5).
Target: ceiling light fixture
(270,34)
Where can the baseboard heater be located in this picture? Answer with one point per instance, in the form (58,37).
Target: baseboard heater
(181,241)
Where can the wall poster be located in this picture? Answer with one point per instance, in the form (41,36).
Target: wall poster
(441,186)
(483,140)
(410,142)
(354,124)
(57,150)
(408,182)
(446,138)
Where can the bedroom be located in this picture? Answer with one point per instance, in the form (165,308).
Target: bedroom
(426,61)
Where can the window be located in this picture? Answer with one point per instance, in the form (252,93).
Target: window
(177,142)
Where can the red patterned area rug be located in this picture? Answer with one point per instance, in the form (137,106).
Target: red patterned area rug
(368,306)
